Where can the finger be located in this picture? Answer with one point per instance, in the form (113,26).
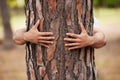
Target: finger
(72,44)
(46,42)
(45,33)
(82,27)
(37,24)
(72,35)
(44,45)
(71,40)
(66,42)
(75,47)
(47,38)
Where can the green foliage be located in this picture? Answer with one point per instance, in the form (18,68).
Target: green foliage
(112,3)
(95,2)
(101,3)
(106,3)
(15,3)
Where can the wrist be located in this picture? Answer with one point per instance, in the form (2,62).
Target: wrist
(91,40)
(25,36)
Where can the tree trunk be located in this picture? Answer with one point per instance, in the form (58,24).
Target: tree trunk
(60,17)
(5,13)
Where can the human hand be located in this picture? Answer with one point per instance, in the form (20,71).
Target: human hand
(77,41)
(40,38)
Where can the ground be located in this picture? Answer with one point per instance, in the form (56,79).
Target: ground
(12,62)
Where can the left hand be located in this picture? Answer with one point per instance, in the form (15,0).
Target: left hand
(77,41)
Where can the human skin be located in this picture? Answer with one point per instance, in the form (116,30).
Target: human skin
(75,41)
(72,40)
(20,36)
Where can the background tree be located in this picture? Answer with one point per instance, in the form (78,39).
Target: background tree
(5,13)
(60,17)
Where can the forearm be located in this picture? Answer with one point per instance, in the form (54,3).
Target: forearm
(18,36)
(98,40)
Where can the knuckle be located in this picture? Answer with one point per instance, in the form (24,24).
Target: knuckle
(79,36)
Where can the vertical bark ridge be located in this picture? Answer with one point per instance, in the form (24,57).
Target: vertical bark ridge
(92,50)
(68,7)
(89,50)
(27,9)
(46,27)
(31,54)
(27,60)
(75,27)
(61,50)
(33,46)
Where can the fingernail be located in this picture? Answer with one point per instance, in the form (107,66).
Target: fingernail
(64,38)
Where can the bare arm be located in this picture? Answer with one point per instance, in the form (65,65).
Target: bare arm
(83,39)
(98,38)
(20,37)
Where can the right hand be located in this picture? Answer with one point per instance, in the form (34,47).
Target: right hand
(40,38)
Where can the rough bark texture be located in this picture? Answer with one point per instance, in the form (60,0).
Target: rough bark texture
(5,13)
(56,63)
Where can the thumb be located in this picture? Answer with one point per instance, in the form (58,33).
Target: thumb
(82,27)
(36,24)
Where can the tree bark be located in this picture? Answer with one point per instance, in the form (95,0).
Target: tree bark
(5,13)
(60,17)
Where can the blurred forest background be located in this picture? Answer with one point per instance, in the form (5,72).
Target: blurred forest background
(12,57)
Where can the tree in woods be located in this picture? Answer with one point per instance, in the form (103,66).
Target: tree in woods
(5,14)
(56,62)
